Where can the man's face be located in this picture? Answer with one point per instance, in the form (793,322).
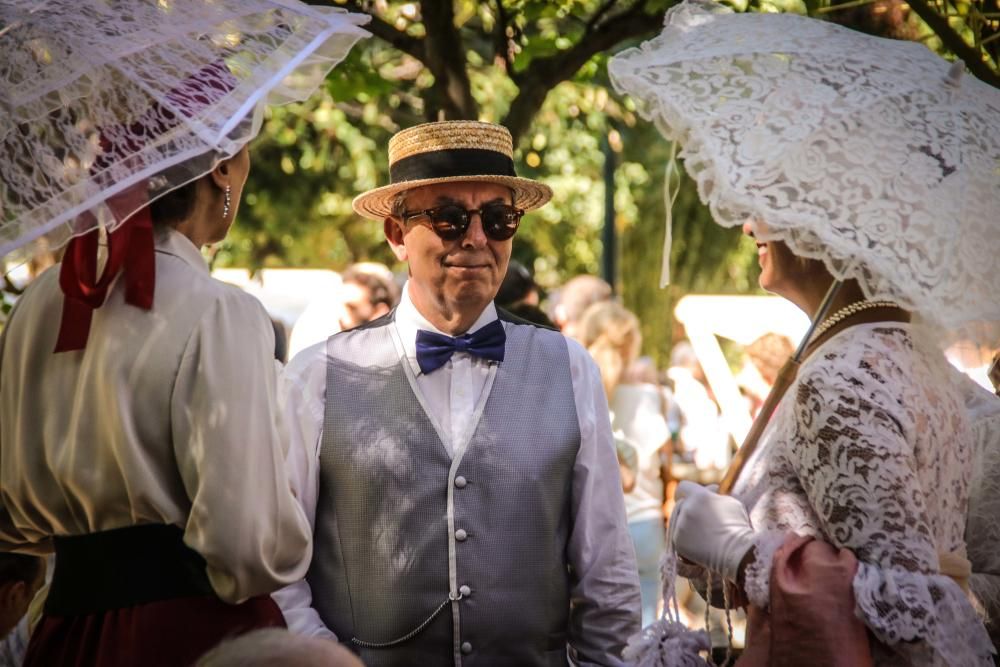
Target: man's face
(459,276)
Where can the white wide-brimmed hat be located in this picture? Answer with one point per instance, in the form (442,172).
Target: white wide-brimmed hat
(451,151)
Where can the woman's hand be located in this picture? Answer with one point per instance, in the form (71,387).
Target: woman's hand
(710,529)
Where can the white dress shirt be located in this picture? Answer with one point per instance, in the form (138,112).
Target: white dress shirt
(168,416)
(606,594)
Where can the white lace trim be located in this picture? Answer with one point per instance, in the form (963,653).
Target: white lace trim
(795,121)
(887,598)
(757,578)
(982,530)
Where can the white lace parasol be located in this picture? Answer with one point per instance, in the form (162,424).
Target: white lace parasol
(97,96)
(874,155)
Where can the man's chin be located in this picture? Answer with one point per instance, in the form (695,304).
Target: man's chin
(473,293)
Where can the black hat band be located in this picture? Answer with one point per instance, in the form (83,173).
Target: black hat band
(450,163)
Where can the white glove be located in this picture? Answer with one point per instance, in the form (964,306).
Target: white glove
(711,530)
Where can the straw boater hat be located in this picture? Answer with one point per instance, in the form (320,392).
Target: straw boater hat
(452,151)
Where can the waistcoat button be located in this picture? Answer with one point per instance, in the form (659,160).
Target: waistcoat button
(466,648)
(460,482)
(465,591)
(460,535)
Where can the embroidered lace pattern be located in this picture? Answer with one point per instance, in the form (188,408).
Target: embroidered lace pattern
(98,96)
(871,451)
(757,578)
(868,154)
(983,528)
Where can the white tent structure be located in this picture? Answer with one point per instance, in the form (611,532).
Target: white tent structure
(742,319)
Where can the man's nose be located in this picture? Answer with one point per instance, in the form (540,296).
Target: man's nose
(475,237)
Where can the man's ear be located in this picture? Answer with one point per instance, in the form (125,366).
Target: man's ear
(394,235)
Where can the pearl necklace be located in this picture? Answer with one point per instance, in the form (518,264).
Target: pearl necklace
(846,312)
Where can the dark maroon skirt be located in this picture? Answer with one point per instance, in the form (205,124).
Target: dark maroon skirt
(136,596)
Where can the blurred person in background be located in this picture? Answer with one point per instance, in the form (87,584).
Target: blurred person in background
(703,437)
(578,294)
(21,577)
(369,292)
(320,318)
(280,340)
(762,360)
(366,292)
(519,295)
(639,419)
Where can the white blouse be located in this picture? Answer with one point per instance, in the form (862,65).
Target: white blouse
(870,450)
(168,416)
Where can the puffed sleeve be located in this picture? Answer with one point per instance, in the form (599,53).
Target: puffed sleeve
(230,448)
(858,472)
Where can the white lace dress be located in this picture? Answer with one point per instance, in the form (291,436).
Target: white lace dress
(871,451)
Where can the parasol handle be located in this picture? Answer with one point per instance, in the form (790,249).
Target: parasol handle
(781,384)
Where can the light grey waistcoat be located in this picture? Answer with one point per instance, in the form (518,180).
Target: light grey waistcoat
(401,528)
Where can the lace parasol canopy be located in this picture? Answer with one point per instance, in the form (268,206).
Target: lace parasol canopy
(98,96)
(874,155)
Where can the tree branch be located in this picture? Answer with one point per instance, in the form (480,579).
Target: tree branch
(602,10)
(444,56)
(543,74)
(502,43)
(954,42)
(441,52)
(380,28)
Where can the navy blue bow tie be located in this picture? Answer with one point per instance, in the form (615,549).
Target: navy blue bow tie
(434,349)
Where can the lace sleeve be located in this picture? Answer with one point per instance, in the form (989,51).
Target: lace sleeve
(859,474)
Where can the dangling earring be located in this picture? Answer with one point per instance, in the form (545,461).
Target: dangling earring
(228,202)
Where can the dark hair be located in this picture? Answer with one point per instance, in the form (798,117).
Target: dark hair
(379,289)
(175,206)
(280,340)
(532,314)
(399,205)
(19,567)
(516,285)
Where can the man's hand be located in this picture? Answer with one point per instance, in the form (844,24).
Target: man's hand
(709,529)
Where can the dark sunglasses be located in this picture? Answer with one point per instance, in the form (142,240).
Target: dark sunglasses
(451,221)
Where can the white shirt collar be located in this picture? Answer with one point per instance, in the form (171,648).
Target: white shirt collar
(170,241)
(409,321)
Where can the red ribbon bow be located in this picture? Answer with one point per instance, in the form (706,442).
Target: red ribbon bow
(130,249)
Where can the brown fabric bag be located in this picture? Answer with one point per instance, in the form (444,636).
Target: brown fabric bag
(811,618)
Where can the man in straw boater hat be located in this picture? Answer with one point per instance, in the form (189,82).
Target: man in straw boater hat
(458,463)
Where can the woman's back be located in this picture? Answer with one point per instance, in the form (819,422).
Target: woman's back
(152,423)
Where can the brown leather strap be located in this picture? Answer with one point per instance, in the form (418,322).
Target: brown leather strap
(785,378)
